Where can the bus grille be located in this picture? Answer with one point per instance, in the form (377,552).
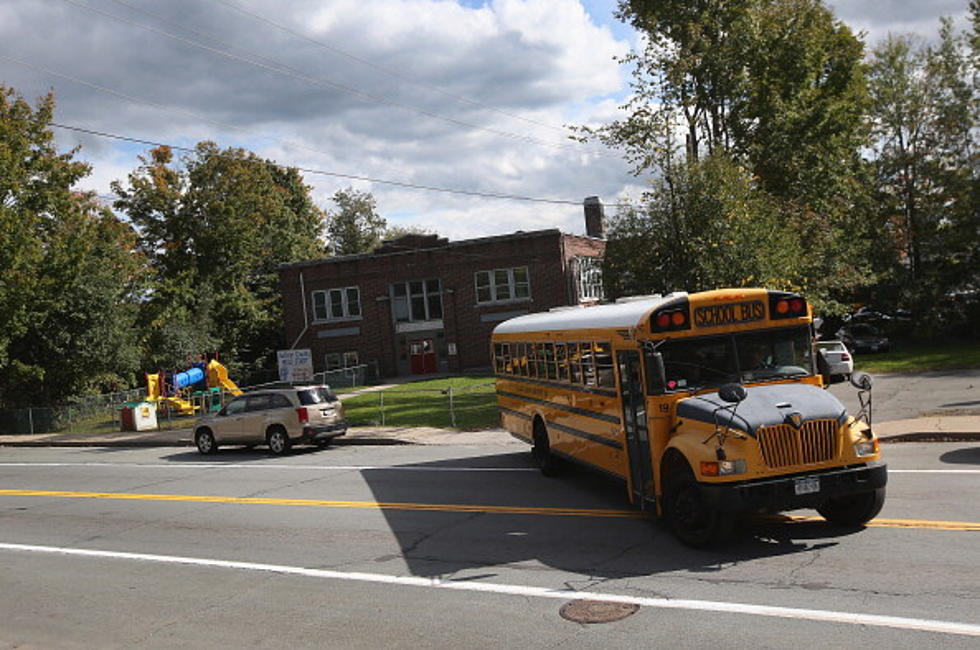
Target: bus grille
(784,446)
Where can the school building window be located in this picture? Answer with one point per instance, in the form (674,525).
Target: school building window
(416,300)
(336,304)
(589,270)
(500,285)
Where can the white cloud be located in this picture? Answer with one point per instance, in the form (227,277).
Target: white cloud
(547,62)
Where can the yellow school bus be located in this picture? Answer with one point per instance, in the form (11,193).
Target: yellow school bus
(706,404)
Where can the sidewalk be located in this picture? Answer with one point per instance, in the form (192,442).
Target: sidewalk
(185,437)
(929,429)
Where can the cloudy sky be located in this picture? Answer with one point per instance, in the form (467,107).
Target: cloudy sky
(469,95)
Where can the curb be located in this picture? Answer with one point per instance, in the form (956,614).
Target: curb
(375,442)
(934,436)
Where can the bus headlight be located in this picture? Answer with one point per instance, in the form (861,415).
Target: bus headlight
(722,467)
(866,448)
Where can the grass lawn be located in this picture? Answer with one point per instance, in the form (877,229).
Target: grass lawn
(426,404)
(921,357)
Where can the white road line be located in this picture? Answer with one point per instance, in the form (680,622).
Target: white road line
(827,616)
(400,468)
(933,471)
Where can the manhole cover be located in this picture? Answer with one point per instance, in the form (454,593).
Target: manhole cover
(596,611)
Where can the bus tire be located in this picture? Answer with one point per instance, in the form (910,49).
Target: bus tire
(690,517)
(541,454)
(854,509)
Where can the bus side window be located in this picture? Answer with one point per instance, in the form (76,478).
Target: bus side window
(540,371)
(520,359)
(561,359)
(588,364)
(498,365)
(604,366)
(552,369)
(508,359)
(575,362)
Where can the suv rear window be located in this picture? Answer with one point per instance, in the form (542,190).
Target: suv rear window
(315,396)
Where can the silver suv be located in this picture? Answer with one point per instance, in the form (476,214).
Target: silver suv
(278,417)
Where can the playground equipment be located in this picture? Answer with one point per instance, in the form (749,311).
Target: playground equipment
(176,391)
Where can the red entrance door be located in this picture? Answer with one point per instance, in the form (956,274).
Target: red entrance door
(422,356)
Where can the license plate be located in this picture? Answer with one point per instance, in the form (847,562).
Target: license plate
(807,485)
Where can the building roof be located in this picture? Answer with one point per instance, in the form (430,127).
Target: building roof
(442,245)
(625,313)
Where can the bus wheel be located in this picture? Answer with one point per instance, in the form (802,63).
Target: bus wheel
(541,454)
(692,520)
(853,510)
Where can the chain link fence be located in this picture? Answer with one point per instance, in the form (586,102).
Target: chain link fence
(103,413)
(89,413)
(464,407)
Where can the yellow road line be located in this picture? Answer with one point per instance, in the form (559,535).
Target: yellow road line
(370,505)
(888,523)
(964,526)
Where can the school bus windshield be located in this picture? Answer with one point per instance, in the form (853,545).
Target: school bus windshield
(745,357)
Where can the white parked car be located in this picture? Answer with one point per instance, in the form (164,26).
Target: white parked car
(278,417)
(838,358)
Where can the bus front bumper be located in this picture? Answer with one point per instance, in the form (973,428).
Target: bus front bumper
(797,491)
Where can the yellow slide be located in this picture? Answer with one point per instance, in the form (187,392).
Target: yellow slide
(218,378)
(154,385)
(182,406)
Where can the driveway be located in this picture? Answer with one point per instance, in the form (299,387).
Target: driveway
(913,395)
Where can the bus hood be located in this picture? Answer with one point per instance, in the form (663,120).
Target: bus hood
(765,406)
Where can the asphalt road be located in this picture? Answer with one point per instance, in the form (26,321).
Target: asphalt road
(912,395)
(456,546)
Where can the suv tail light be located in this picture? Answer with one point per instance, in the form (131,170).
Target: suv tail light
(303,415)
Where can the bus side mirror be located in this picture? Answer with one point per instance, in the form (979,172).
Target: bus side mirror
(862,380)
(658,375)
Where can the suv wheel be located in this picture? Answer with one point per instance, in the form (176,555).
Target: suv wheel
(205,441)
(278,440)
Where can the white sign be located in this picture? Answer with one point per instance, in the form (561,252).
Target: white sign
(295,365)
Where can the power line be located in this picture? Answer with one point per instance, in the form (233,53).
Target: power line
(163,107)
(322,172)
(388,71)
(285,70)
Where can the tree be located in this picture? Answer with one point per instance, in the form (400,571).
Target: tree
(216,226)
(709,227)
(924,121)
(69,272)
(775,86)
(355,226)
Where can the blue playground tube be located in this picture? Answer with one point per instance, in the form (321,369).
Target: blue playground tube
(187,378)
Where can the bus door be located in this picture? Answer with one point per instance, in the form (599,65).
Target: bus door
(635,424)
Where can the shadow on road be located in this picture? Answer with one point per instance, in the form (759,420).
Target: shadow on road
(962,456)
(442,542)
(238,455)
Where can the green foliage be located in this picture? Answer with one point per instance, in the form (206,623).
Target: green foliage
(215,227)
(708,227)
(69,272)
(776,87)
(355,226)
(925,121)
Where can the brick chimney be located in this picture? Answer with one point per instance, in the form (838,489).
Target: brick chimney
(594,217)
